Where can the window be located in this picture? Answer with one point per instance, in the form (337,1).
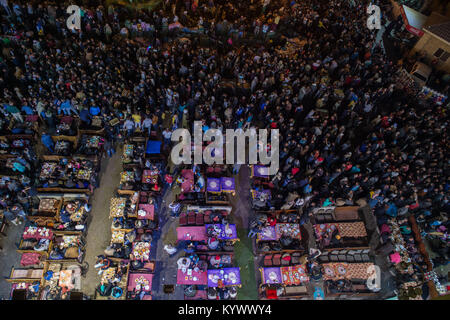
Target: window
(438,52)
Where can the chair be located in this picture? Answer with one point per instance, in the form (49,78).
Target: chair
(286,259)
(324,258)
(268,260)
(276,259)
(183,219)
(199,219)
(271,293)
(365,255)
(342,256)
(358,256)
(295,258)
(191,218)
(333,257)
(206,217)
(319,218)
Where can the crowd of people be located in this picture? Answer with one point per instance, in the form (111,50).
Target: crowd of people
(348,133)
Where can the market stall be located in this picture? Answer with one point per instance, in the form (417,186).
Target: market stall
(14,144)
(59,280)
(288,276)
(139,282)
(226,232)
(67,246)
(342,234)
(344,278)
(224,277)
(125,205)
(271,233)
(190,273)
(260,198)
(97,127)
(192,185)
(114,281)
(151,178)
(25,283)
(133,152)
(91,145)
(65,175)
(67,126)
(127,181)
(47,214)
(36,239)
(29,127)
(65,145)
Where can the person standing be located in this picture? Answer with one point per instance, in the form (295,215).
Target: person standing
(167,135)
(147,124)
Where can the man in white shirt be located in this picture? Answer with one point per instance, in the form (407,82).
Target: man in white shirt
(167,134)
(129,126)
(147,124)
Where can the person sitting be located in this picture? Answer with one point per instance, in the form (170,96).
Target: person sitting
(48,142)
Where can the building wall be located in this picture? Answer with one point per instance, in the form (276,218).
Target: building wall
(429,45)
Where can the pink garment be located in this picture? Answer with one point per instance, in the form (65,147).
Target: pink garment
(395,258)
(385,228)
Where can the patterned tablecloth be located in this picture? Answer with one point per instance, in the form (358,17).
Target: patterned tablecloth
(227,184)
(93,142)
(150,176)
(188,184)
(213,185)
(260,171)
(65,279)
(47,205)
(190,277)
(257,194)
(140,281)
(128,151)
(294,275)
(149,210)
(268,234)
(117,207)
(37,233)
(118,236)
(225,233)
(271,275)
(47,169)
(290,229)
(272,233)
(229,277)
(30,258)
(141,251)
(126,176)
(341,270)
(345,229)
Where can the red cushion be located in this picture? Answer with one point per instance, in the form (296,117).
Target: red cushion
(271,294)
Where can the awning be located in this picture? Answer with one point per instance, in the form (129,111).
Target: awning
(414,20)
